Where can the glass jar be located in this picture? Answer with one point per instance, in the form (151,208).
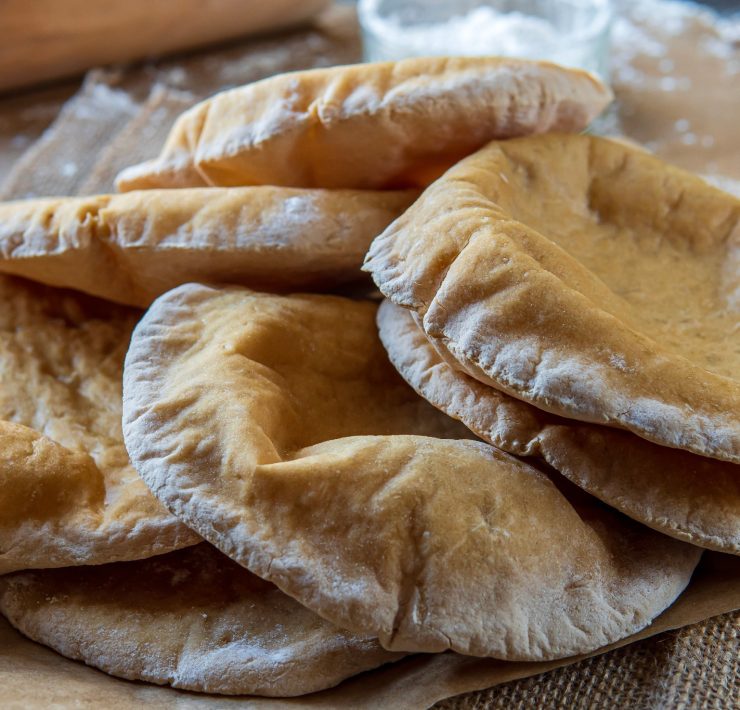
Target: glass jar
(570,32)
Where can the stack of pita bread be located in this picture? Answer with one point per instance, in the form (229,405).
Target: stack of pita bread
(269,481)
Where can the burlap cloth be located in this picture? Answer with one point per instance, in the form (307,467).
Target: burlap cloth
(695,667)
(675,72)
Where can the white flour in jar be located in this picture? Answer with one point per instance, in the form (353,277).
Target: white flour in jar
(484,30)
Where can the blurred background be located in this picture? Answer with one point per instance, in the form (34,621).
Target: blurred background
(89,87)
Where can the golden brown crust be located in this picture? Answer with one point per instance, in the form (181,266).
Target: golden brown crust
(68,492)
(585,277)
(276,427)
(367,125)
(132,248)
(191,619)
(688,497)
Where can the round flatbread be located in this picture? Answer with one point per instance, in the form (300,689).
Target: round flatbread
(688,497)
(68,492)
(277,428)
(585,277)
(192,619)
(132,248)
(380,125)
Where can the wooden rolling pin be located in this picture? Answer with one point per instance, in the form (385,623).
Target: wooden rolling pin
(50,39)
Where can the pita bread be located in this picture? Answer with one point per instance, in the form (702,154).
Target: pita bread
(584,277)
(192,619)
(68,493)
(277,428)
(688,497)
(380,125)
(132,248)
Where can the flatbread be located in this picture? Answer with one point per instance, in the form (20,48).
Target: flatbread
(380,125)
(68,492)
(132,248)
(277,428)
(688,497)
(192,619)
(585,277)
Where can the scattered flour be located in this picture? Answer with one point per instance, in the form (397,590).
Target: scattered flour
(643,28)
(102,98)
(670,62)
